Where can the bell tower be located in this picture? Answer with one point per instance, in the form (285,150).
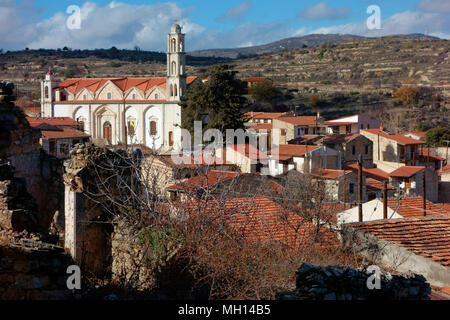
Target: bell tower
(48,94)
(176,64)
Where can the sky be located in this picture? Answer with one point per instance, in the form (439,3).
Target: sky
(207,23)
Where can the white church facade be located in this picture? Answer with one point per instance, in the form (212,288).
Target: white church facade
(125,110)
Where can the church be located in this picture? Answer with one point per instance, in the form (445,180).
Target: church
(143,111)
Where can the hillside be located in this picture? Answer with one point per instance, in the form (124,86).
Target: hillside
(311,40)
(356,75)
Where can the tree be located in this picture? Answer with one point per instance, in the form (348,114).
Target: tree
(314,100)
(221,98)
(437,136)
(264,91)
(69,73)
(407,94)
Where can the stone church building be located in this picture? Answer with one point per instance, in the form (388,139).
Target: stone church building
(125,110)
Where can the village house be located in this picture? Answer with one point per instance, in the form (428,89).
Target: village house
(303,158)
(340,185)
(418,135)
(351,124)
(351,146)
(415,244)
(251,82)
(299,126)
(59,135)
(256,117)
(247,157)
(410,181)
(444,184)
(392,150)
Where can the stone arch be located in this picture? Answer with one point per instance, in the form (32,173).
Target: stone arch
(101,115)
(153,114)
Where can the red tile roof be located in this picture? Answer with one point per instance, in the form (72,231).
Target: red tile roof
(329,173)
(256,79)
(249,151)
(376,185)
(306,139)
(413,207)
(63,133)
(401,139)
(432,157)
(263,115)
(63,121)
(340,138)
(428,237)
(204,180)
(291,150)
(123,84)
(263,220)
(374,173)
(301,121)
(261,126)
(406,171)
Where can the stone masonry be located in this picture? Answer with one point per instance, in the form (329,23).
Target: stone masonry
(338,283)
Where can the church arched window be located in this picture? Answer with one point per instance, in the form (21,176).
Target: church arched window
(46,92)
(109,95)
(153,131)
(174,68)
(171,90)
(174,45)
(170,138)
(175,91)
(181,46)
(156,96)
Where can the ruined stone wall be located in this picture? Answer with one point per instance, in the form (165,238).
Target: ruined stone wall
(19,143)
(33,271)
(338,283)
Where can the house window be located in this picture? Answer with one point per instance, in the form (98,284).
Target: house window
(109,95)
(153,131)
(63,148)
(366,149)
(351,188)
(353,150)
(52,147)
(74,142)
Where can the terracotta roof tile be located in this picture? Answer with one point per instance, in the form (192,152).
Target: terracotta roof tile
(428,237)
(63,133)
(374,173)
(204,180)
(329,173)
(292,150)
(261,219)
(263,115)
(413,207)
(34,122)
(301,120)
(406,171)
(123,84)
(401,139)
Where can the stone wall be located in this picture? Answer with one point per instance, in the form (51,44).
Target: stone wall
(19,143)
(344,283)
(31,270)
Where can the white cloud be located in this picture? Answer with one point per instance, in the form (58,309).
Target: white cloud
(322,10)
(236,12)
(400,23)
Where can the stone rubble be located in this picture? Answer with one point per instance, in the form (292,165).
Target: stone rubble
(344,283)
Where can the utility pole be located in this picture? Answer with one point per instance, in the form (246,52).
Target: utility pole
(446,153)
(424,194)
(385,200)
(360,182)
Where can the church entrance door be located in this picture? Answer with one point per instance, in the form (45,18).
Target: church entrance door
(107,131)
